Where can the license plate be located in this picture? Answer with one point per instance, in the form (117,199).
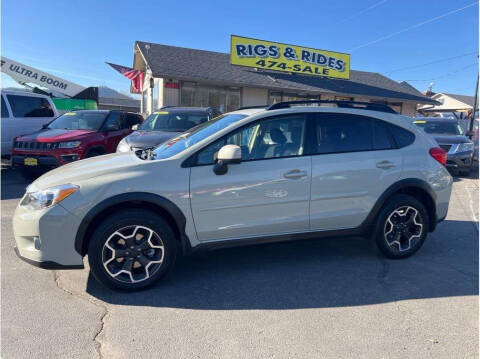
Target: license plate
(30,161)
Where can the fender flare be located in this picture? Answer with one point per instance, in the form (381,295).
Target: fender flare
(132,198)
(397,186)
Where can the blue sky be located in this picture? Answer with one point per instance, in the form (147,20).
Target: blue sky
(73,39)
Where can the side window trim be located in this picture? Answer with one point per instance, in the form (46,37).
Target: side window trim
(191,161)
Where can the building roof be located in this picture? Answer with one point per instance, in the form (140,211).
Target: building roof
(214,67)
(469,100)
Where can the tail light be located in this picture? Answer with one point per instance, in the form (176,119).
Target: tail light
(439,154)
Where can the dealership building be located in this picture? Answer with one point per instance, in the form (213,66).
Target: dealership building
(177,76)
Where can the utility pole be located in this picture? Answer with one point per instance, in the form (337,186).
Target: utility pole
(475,105)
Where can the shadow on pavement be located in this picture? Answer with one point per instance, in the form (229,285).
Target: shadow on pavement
(13,184)
(313,274)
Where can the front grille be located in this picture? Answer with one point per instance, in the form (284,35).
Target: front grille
(446,148)
(36,146)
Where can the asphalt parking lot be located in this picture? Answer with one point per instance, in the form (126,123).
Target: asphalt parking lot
(332,298)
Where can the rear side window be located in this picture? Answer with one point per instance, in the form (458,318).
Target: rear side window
(4,109)
(338,132)
(402,137)
(382,139)
(29,106)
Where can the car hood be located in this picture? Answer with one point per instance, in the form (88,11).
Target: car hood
(143,139)
(50,134)
(78,171)
(450,139)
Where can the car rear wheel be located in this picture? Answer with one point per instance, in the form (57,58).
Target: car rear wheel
(401,227)
(131,250)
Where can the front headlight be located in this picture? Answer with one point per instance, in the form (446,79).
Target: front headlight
(71,144)
(47,198)
(465,147)
(123,146)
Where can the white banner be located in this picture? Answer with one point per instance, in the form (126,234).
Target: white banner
(26,74)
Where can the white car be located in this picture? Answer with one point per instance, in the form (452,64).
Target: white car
(23,112)
(249,176)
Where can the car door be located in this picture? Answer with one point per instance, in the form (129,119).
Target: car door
(114,130)
(354,160)
(28,114)
(266,194)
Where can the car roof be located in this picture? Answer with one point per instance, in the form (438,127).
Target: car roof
(184,109)
(23,93)
(435,119)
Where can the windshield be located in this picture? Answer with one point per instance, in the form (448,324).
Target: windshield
(440,128)
(79,121)
(195,135)
(173,121)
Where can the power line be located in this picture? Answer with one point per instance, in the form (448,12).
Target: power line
(413,26)
(447,74)
(363,11)
(432,62)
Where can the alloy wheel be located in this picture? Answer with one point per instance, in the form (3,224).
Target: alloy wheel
(133,254)
(403,228)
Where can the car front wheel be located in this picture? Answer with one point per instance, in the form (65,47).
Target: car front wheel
(131,250)
(401,227)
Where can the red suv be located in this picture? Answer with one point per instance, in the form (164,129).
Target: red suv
(71,137)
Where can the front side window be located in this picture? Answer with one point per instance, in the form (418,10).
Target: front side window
(30,106)
(269,138)
(132,119)
(173,121)
(114,120)
(338,133)
(4,109)
(79,120)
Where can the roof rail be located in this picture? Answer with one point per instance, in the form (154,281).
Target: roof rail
(250,107)
(343,104)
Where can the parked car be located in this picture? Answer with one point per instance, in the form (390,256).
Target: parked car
(71,137)
(23,112)
(165,124)
(450,137)
(249,176)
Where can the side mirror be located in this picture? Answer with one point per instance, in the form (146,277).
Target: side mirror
(111,127)
(228,154)
(135,127)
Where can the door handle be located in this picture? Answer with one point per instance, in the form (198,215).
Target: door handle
(385,164)
(295,174)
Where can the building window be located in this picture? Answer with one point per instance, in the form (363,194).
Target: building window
(275,97)
(223,99)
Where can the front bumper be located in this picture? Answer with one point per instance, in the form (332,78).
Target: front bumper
(45,238)
(460,161)
(47,159)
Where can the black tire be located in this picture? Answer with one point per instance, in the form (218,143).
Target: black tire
(124,220)
(392,244)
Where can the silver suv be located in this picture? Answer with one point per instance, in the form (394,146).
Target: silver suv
(250,176)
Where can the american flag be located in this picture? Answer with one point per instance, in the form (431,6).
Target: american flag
(135,75)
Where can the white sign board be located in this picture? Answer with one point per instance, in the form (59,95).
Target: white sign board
(26,74)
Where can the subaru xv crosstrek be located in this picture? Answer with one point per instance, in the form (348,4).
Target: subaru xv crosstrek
(250,176)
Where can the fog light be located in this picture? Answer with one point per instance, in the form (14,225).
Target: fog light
(37,243)
(69,158)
